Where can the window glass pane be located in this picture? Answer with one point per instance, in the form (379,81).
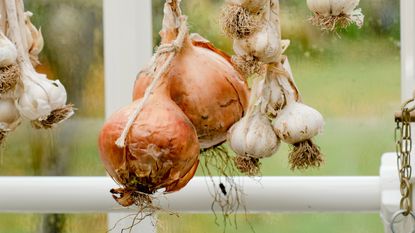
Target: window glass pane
(73,53)
(352,78)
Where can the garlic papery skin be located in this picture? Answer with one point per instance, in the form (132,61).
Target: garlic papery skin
(9,115)
(251,5)
(34,39)
(343,6)
(41,96)
(271,96)
(298,122)
(8,52)
(28,30)
(253,137)
(264,45)
(37,47)
(55,91)
(34,104)
(321,7)
(9,118)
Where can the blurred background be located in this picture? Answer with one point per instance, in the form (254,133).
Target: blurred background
(352,78)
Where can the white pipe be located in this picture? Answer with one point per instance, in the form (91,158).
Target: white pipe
(128,47)
(407,48)
(271,194)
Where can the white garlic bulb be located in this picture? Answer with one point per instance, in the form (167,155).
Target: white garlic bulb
(328,14)
(9,115)
(8,51)
(251,5)
(343,6)
(298,122)
(253,137)
(321,7)
(41,97)
(265,45)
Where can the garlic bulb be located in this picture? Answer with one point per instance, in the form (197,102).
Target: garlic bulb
(253,137)
(298,122)
(251,5)
(42,99)
(343,6)
(9,117)
(8,51)
(321,7)
(265,45)
(331,13)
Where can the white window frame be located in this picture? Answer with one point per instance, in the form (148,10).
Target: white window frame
(128,46)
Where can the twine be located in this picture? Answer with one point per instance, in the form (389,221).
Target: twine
(172,49)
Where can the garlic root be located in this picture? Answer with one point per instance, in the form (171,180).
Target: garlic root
(9,78)
(248,65)
(328,14)
(248,165)
(304,155)
(238,22)
(55,117)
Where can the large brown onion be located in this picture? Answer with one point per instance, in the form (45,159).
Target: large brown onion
(161,150)
(206,86)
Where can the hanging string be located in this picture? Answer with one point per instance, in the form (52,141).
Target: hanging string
(172,50)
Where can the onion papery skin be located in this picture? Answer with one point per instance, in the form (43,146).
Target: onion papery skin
(161,150)
(206,86)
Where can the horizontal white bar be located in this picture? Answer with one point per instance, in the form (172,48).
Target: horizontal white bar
(270,194)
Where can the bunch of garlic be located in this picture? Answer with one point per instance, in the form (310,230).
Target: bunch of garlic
(253,24)
(329,14)
(9,69)
(34,39)
(276,112)
(38,99)
(297,124)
